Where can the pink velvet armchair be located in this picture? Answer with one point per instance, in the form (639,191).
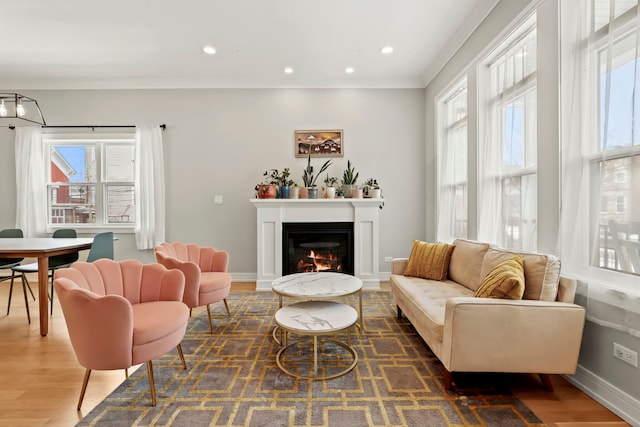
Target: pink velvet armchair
(122,313)
(205,272)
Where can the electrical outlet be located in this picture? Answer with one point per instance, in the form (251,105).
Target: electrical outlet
(626,355)
(388,259)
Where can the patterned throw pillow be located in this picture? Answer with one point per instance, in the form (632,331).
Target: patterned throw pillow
(505,281)
(429,260)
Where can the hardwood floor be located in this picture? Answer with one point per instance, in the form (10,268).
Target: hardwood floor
(40,378)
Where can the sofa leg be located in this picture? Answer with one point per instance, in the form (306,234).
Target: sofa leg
(546,381)
(448,380)
(399,312)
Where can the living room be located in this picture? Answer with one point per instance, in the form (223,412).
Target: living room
(219,139)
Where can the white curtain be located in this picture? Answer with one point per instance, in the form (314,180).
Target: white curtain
(507,175)
(600,124)
(31,211)
(452,165)
(149,185)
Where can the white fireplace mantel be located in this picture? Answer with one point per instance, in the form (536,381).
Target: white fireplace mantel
(363,213)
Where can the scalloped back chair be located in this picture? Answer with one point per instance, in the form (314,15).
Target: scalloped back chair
(122,313)
(205,272)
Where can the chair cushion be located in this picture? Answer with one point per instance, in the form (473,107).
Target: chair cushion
(505,281)
(429,260)
(153,321)
(211,281)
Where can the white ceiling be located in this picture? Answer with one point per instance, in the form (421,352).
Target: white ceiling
(158,44)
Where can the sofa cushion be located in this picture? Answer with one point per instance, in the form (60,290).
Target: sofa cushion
(541,272)
(505,281)
(465,265)
(429,260)
(424,301)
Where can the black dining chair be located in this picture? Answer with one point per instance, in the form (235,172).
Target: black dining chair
(9,263)
(55,262)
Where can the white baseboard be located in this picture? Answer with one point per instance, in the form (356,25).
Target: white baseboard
(617,401)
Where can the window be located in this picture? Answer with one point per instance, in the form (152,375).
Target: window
(91,180)
(614,154)
(508,148)
(452,164)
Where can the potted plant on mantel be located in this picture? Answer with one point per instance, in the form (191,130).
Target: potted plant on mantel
(349,179)
(371,188)
(330,190)
(310,179)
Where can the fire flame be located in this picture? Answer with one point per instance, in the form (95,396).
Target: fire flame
(319,262)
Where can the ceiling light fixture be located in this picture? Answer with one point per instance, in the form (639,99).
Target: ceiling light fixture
(288,70)
(386,50)
(209,50)
(349,70)
(20,108)
(16,108)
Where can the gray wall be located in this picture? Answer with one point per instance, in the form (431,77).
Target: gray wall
(221,141)
(609,380)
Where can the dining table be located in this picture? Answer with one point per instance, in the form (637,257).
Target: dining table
(42,248)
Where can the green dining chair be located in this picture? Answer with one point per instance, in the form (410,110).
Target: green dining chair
(9,263)
(102,247)
(55,262)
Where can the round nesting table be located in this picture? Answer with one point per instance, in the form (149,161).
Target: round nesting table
(313,319)
(318,286)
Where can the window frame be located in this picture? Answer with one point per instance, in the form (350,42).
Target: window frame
(100,142)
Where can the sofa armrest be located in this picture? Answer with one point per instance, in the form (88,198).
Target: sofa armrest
(399,265)
(496,335)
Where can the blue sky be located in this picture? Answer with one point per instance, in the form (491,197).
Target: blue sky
(74,155)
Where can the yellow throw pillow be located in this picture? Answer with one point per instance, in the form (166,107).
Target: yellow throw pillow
(505,281)
(429,260)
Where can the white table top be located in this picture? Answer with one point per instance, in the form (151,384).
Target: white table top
(316,317)
(316,285)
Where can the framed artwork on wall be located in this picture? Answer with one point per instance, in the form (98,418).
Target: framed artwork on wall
(320,143)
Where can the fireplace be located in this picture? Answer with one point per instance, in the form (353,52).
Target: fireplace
(317,246)
(363,215)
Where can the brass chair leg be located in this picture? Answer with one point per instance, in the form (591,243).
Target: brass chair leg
(87,374)
(26,301)
(152,385)
(126,373)
(209,316)
(227,306)
(184,363)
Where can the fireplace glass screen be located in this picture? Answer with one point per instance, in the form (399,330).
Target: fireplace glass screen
(312,247)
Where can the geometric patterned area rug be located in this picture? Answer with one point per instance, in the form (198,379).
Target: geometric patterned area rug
(232,379)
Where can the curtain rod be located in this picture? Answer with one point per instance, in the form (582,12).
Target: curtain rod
(93,127)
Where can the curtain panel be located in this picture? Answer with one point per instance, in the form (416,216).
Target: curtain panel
(31,211)
(149,187)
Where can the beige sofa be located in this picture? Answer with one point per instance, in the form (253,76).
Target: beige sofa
(539,334)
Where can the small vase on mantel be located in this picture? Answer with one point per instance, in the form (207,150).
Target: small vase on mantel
(304,193)
(294,192)
(330,192)
(285,192)
(313,192)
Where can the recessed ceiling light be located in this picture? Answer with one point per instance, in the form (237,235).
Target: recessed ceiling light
(288,70)
(209,50)
(349,70)
(386,50)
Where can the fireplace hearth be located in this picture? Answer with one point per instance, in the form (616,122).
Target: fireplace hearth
(319,246)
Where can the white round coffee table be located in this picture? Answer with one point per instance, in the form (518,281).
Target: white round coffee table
(316,318)
(318,286)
